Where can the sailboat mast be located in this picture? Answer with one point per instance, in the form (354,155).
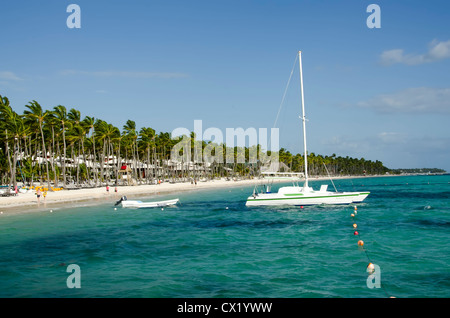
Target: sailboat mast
(303,119)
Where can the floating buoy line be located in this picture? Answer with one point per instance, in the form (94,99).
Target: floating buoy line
(370,267)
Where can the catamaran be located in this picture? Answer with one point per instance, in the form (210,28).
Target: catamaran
(303,195)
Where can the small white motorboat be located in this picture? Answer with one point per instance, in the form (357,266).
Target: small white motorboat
(139,204)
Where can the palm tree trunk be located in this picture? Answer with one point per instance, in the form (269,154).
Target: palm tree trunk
(139,173)
(15,151)
(78,165)
(9,160)
(148,164)
(73,159)
(134,162)
(154,169)
(36,150)
(84,155)
(55,177)
(64,158)
(102,161)
(95,157)
(118,164)
(60,161)
(107,165)
(45,153)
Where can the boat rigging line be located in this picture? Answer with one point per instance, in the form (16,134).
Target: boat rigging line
(285,91)
(329,176)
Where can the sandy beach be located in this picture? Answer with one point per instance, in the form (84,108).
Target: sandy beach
(28,201)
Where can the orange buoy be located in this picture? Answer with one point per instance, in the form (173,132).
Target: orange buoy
(370,268)
(352,215)
(355,226)
(360,243)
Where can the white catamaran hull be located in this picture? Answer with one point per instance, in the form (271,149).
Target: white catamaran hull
(313,198)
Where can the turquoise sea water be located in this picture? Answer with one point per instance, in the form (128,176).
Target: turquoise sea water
(213,246)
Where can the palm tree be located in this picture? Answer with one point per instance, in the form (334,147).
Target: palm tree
(111,133)
(52,123)
(79,131)
(147,137)
(117,141)
(130,130)
(163,139)
(36,114)
(74,115)
(75,136)
(89,123)
(100,135)
(60,116)
(12,125)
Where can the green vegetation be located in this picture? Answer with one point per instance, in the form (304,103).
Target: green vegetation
(335,165)
(59,148)
(418,171)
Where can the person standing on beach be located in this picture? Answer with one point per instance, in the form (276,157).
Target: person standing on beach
(38,194)
(45,195)
(107,189)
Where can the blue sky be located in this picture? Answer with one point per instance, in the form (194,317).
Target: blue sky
(382,94)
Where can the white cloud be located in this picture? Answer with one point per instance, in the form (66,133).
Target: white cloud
(387,137)
(9,76)
(436,51)
(125,74)
(411,100)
